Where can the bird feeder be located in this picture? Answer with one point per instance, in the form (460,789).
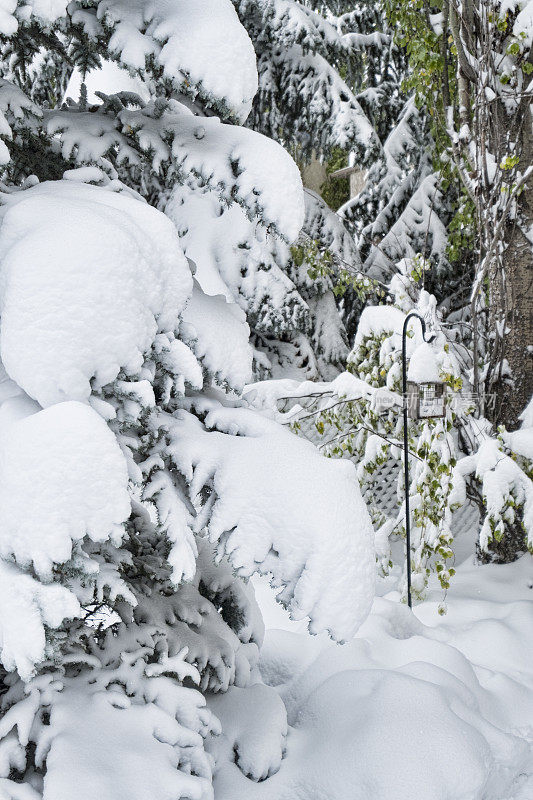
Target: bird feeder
(426,393)
(426,400)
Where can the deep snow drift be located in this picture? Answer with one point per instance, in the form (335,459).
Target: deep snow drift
(416,706)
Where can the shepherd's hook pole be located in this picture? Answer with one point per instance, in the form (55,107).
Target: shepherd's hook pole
(406,444)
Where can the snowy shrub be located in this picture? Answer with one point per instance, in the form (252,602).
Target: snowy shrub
(358,416)
(370,432)
(454,461)
(502,468)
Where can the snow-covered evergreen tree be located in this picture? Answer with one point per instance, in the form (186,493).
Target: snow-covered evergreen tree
(398,213)
(137,494)
(331,80)
(131,131)
(327,75)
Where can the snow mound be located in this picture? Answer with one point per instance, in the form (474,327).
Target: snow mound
(104,733)
(280,507)
(49,496)
(348,720)
(439,711)
(75,315)
(254,729)
(386,735)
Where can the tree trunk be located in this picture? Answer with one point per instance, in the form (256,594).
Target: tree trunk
(511,301)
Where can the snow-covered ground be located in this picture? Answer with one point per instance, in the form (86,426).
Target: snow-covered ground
(418,705)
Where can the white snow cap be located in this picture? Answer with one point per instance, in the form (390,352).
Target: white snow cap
(199,44)
(218,334)
(268,184)
(62,477)
(46,11)
(377,320)
(26,606)
(523,25)
(423,367)
(526,417)
(284,509)
(8,22)
(88,277)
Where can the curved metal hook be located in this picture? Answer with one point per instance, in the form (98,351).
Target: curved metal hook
(406,442)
